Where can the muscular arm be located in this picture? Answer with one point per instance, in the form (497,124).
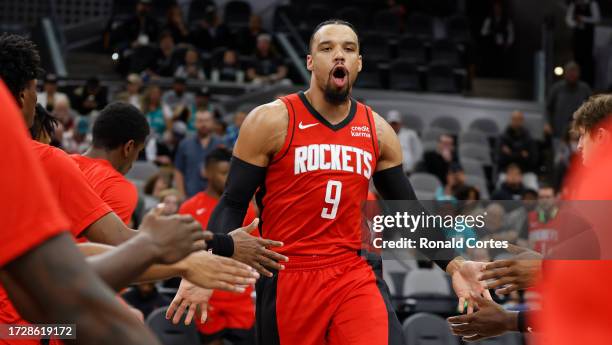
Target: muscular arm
(81,298)
(109,229)
(393,184)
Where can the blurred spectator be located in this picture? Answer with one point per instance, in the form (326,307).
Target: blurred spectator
(498,35)
(516,145)
(177,101)
(517,218)
(191,154)
(163,63)
(219,128)
(171,199)
(64,114)
(268,66)
(191,67)
(412,148)
(234,129)
(399,10)
(229,69)
(512,187)
(581,17)
(468,198)
(91,97)
(437,162)
(159,182)
(202,100)
(152,108)
(455,179)
(247,38)
(541,235)
(210,32)
(176,25)
(565,97)
(565,151)
(145,298)
(50,96)
(495,228)
(132,93)
(78,139)
(139,30)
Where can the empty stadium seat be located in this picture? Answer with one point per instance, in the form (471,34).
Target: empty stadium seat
(458,29)
(480,183)
(411,49)
(478,152)
(432,134)
(428,329)
(419,25)
(394,273)
(486,126)
(142,170)
(444,52)
(425,182)
(198,9)
(387,22)
(369,77)
(374,46)
(472,166)
(473,137)
(413,122)
(404,76)
(441,78)
(353,15)
(169,333)
(426,281)
(447,123)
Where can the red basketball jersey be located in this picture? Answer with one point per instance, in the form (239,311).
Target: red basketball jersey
(316,183)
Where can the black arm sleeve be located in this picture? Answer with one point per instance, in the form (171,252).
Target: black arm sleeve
(525,323)
(393,184)
(242,182)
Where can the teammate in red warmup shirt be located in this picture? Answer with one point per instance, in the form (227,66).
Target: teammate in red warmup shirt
(311,157)
(230,316)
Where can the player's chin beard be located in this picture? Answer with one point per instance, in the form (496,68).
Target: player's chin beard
(335,96)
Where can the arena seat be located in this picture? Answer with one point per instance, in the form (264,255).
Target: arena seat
(425,182)
(198,9)
(472,166)
(411,49)
(486,126)
(413,122)
(419,25)
(169,333)
(473,137)
(387,22)
(369,77)
(404,76)
(447,123)
(441,78)
(426,281)
(458,29)
(353,15)
(444,52)
(427,329)
(237,14)
(480,183)
(374,46)
(478,152)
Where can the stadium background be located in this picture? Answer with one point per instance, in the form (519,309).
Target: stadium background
(447,73)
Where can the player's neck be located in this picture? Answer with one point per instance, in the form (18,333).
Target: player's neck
(334,113)
(95,153)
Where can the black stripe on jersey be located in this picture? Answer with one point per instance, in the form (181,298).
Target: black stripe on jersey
(292,114)
(323,120)
(266,324)
(372,131)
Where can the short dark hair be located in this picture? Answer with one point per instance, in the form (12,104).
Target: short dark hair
(19,62)
(592,112)
(117,124)
(332,22)
(220,154)
(43,122)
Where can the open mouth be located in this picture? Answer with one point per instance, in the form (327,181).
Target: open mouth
(339,76)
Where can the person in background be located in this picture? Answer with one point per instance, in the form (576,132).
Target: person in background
(210,32)
(90,97)
(140,29)
(498,34)
(191,67)
(152,108)
(177,101)
(191,152)
(268,67)
(455,180)
(171,199)
(163,62)
(50,96)
(78,139)
(517,147)
(247,38)
(412,148)
(512,187)
(64,114)
(542,232)
(438,162)
(564,98)
(581,17)
(159,182)
(234,129)
(176,25)
(229,69)
(202,100)
(145,297)
(132,93)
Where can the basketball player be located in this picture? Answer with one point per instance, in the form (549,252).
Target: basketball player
(312,155)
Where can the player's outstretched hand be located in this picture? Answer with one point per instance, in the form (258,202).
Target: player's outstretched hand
(174,237)
(518,273)
(215,272)
(489,321)
(466,283)
(190,298)
(254,251)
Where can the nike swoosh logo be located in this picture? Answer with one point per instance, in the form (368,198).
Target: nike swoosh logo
(200,211)
(303,126)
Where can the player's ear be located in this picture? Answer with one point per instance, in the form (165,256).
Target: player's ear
(359,63)
(602,136)
(21,98)
(129,147)
(309,62)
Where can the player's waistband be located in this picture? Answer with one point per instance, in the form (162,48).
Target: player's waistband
(311,262)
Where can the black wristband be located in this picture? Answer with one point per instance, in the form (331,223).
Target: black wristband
(522,323)
(222,245)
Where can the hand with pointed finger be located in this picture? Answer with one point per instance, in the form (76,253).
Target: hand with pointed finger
(254,251)
(211,271)
(489,321)
(519,273)
(466,282)
(174,237)
(190,298)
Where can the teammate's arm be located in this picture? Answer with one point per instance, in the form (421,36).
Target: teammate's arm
(261,136)
(81,298)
